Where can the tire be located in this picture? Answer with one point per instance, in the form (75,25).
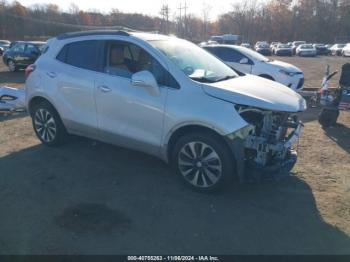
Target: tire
(12,65)
(48,125)
(203,162)
(328,117)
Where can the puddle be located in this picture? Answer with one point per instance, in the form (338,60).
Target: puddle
(94,218)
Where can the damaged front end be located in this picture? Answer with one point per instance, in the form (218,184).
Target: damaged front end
(268,143)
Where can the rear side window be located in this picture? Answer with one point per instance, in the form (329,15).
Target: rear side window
(82,54)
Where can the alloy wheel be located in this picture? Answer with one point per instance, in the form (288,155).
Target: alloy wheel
(45,125)
(12,66)
(200,164)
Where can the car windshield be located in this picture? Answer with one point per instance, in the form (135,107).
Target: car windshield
(283,46)
(253,55)
(194,61)
(341,46)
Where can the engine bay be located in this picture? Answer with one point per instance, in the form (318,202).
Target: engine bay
(271,140)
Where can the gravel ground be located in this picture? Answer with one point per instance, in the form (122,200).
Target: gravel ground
(87,197)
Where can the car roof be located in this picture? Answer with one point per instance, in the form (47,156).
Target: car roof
(141,35)
(30,42)
(236,47)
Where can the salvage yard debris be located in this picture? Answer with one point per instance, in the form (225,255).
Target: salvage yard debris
(12,99)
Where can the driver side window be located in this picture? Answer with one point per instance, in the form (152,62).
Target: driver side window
(125,59)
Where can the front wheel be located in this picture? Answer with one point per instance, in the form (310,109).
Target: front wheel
(203,162)
(48,125)
(12,66)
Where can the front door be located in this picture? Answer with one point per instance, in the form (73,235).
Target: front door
(236,60)
(128,115)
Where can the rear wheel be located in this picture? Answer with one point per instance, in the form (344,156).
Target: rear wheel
(203,162)
(12,65)
(48,125)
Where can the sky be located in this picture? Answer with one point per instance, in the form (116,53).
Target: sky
(149,7)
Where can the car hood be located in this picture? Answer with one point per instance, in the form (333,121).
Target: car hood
(258,92)
(285,66)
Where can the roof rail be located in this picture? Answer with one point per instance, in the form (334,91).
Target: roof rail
(92,32)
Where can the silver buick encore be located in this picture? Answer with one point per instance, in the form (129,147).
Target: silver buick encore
(166,97)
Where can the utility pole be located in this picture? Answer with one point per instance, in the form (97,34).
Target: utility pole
(180,22)
(185,8)
(183,25)
(164,12)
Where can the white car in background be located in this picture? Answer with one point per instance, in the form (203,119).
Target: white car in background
(346,50)
(337,49)
(306,50)
(246,45)
(247,61)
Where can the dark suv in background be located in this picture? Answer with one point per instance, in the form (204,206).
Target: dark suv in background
(22,54)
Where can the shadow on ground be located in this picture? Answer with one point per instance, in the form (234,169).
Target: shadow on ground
(341,135)
(11,77)
(88,198)
(6,116)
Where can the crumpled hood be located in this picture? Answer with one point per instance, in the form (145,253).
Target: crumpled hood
(285,66)
(257,92)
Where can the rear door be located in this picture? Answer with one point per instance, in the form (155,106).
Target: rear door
(77,66)
(31,53)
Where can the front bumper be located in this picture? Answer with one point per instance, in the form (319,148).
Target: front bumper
(276,171)
(251,171)
(294,82)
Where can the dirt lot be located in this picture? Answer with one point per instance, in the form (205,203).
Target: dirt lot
(93,198)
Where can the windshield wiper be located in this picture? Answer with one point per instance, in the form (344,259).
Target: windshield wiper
(202,79)
(224,79)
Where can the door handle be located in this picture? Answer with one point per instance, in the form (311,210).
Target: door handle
(104,89)
(51,74)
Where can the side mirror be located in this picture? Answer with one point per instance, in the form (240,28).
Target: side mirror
(244,61)
(146,80)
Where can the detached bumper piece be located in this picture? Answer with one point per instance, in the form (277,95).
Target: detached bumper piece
(12,99)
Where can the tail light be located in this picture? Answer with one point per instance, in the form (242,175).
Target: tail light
(30,69)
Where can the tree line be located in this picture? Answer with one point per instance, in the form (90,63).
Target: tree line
(272,20)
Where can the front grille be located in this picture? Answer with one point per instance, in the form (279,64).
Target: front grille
(301,83)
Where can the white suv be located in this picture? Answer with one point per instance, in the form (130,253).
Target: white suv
(166,97)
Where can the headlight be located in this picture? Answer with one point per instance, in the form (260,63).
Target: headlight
(284,72)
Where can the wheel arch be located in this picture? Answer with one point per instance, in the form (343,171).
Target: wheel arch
(235,147)
(187,129)
(37,100)
(266,76)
